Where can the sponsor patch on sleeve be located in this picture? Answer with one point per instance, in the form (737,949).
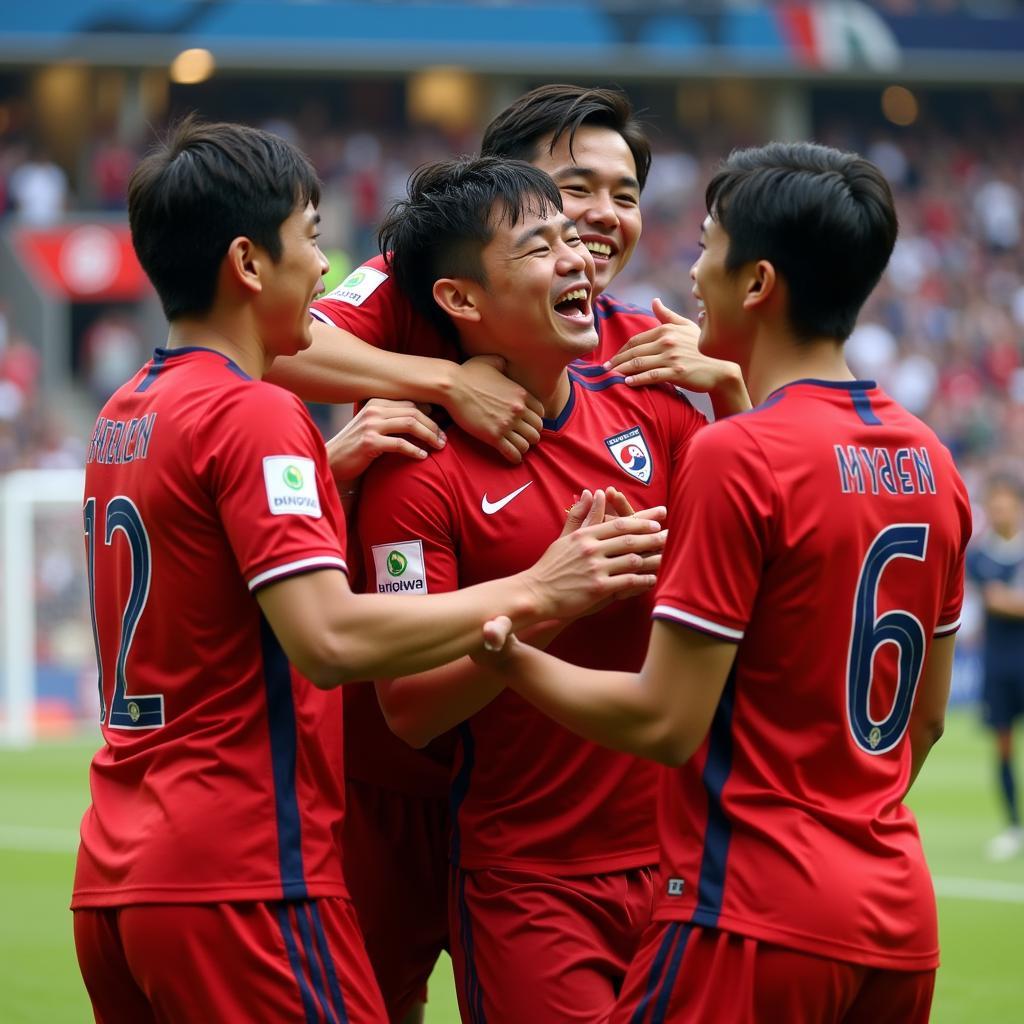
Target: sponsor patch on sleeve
(400,568)
(358,286)
(291,486)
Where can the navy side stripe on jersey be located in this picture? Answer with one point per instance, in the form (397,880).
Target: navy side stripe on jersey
(293,958)
(281,717)
(718,832)
(672,932)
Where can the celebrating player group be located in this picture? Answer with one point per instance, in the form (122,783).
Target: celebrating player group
(631,700)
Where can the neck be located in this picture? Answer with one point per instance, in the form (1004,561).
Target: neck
(779,359)
(549,384)
(230,336)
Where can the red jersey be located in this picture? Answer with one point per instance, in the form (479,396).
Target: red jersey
(525,792)
(824,533)
(371,306)
(219,776)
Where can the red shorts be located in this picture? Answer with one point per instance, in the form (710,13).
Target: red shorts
(168,963)
(684,974)
(530,948)
(396,869)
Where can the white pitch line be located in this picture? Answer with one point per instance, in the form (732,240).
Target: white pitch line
(979,889)
(38,840)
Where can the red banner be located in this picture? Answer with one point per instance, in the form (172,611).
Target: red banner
(83,262)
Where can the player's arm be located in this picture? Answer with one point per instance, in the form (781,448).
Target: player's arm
(420,707)
(334,636)
(662,713)
(339,367)
(671,353)
(928,718)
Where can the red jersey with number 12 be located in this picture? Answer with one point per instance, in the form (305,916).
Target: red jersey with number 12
(824,533)
(219,778)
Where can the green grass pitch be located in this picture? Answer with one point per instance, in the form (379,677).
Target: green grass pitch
(981,906)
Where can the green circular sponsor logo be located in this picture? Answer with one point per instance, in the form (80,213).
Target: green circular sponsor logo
(397,563)
(292,477)
(353,279)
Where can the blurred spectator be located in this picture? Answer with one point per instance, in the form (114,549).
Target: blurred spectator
(38,190)
(112,351)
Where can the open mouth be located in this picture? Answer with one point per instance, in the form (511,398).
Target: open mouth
(574,304)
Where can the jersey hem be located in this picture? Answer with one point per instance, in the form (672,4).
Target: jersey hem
(564,868)
(948,629)
(295,568)
(814,945)
(672,614)
(252,892)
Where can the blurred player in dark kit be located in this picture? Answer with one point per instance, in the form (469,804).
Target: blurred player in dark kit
(996,564)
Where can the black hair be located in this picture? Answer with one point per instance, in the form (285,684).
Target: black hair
(554,110)
(201,187)
(449,216)
(823,218)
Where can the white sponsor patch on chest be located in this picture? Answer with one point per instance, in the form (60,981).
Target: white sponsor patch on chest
(358,286)
(291,486)
(400,568)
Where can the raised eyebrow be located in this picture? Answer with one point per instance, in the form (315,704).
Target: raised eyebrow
(574,171)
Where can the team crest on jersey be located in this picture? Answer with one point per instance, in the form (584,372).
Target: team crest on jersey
(358,286)
(631,454)
(290,481)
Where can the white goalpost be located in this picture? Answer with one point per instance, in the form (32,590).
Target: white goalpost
(34,562)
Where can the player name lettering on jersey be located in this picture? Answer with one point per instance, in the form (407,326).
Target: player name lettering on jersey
(119,441)
(894,471)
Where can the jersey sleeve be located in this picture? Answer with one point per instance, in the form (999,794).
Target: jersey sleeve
(722,508)
(265,465)
(684,422)
(370,305)
(405,528)
(953,597)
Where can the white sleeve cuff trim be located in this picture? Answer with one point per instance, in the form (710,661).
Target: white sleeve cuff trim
(666,611)
(322,317)
(320,562)
(950,627)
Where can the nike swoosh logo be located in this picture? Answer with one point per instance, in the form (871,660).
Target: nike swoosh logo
(490,507)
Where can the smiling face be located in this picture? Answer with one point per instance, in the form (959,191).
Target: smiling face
(291,283)
(600,192)
(536,302)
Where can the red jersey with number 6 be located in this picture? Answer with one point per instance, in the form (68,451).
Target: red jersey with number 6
(824,533)
(219,778)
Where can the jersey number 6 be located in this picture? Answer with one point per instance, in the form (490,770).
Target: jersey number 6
(901,540)
(126,711)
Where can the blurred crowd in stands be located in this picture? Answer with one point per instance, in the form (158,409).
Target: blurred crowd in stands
(944,331)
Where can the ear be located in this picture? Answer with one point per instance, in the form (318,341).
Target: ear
(762,284)
(244,264)
(457,296)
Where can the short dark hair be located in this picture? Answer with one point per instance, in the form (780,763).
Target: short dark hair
(823,218)
(554,110)
(199,188)
(449,216)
